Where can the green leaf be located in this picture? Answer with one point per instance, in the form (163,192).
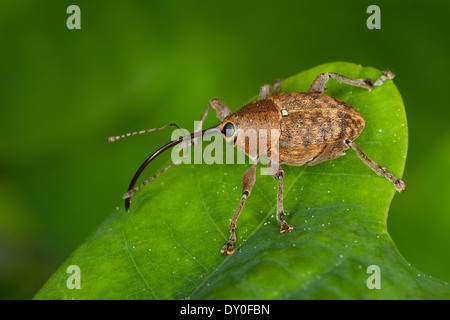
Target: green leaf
(167,246)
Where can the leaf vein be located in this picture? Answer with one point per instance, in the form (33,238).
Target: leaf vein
(136,266)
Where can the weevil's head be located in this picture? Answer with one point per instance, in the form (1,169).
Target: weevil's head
(254,129)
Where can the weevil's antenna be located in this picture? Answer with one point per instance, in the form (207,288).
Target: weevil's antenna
(112,139)
(132,189)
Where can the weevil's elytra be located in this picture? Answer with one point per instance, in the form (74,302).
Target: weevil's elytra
(294,128)
(314,121)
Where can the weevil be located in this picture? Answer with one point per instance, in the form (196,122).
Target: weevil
(305,128)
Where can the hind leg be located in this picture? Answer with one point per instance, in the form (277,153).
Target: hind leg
(319,83)
(336,149)
(399,185)
(332,151)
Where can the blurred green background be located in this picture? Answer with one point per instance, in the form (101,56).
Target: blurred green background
(141,64)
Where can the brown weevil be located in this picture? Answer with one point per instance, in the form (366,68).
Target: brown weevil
(299,128)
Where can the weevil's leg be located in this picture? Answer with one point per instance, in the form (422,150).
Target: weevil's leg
(248,180)
(285,227)
(318,84)
(222,111)
(387,74)
(332,151)
(398,184)
(266,90)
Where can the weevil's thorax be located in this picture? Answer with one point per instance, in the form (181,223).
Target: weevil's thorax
(254,128)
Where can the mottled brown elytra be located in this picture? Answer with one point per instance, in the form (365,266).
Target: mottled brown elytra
(298,128)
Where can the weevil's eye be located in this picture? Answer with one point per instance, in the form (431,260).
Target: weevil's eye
(228,130)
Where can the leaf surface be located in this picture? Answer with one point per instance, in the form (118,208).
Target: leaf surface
(167,246)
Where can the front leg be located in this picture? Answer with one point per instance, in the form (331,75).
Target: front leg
(248,180)
(222,111)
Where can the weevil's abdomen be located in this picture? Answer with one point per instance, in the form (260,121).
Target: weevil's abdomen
(310,122)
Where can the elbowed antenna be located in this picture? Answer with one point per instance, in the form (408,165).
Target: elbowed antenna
(132,189)
(115,138)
